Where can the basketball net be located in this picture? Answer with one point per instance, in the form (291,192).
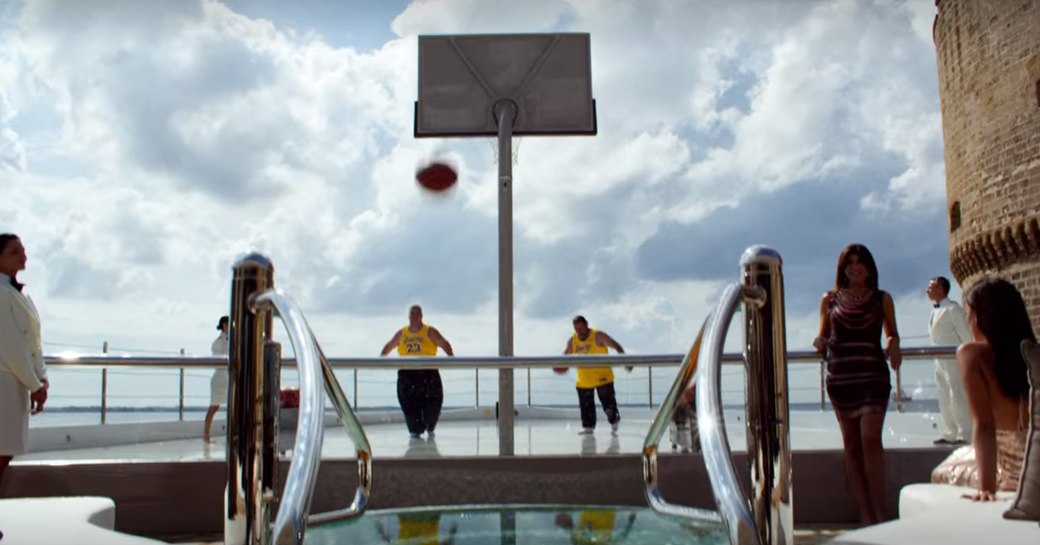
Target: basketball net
(516,140)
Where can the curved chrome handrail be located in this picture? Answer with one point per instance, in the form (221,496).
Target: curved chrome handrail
(291,522)
(350,422)
(683,379)
(729,496)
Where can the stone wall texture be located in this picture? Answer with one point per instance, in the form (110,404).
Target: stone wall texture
(988,54)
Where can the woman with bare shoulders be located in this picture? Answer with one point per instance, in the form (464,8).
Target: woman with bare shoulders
(996,380)
(852,317)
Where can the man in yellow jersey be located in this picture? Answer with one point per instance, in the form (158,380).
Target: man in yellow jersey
(594,379)
(419,391)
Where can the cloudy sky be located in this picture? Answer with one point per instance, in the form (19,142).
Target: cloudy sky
(146,145)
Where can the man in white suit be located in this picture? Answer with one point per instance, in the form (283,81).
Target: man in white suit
(948,325)
(23,375)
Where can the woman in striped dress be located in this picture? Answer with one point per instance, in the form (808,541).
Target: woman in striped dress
(852,317)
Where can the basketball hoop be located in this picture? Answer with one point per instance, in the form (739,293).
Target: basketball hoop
(502,86)
(516,141)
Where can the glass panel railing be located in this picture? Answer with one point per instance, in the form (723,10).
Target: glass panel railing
(151,384)
(144,421)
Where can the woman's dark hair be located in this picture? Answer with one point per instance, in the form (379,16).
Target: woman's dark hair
(1001,316)
(842,281)
(223,320)
(5,238)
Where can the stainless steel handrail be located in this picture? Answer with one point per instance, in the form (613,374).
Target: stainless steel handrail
(683,380)
(350,422)
(768,407)
(731,501)
(293,513)
(252,406)
(291,521)
(470,362)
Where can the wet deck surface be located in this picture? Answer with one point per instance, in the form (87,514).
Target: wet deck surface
(811,430)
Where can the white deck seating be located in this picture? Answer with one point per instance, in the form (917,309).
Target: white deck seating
(936,513)
(81,520)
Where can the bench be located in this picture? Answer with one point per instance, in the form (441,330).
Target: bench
(80,520)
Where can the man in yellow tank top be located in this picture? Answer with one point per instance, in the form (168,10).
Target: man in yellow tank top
(598,380)
(419,391)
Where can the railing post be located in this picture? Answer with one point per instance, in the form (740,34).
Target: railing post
(768,411)
(355,390)
(823,385)
(250,459)
(104,386)
(180,396)
(650,386)
(528,386)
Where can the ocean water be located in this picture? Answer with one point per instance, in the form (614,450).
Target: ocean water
(154,394)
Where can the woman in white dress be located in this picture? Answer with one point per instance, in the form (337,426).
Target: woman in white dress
(23,375)
(219,383)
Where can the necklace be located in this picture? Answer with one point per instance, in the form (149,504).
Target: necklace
(851,298)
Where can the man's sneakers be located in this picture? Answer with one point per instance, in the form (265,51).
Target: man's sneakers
(415,435)
(430,435)
(613,429)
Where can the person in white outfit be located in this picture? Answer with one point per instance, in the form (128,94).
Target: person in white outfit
(218,385)
(23,375)
(948,325)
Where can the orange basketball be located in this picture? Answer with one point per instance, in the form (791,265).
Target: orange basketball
(436,176)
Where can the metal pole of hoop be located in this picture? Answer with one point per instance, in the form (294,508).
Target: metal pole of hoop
(505,113)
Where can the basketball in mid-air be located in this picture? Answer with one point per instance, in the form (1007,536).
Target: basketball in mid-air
(560,370)
(436,176)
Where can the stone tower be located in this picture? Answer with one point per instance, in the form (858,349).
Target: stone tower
(988,53)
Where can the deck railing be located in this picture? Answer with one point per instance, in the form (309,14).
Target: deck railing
(184,365)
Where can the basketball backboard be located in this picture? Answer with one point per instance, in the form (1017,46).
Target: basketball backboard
(547,76)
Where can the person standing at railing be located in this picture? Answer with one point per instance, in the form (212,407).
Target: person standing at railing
(23,374)
(852,317)
(419,391)
(949,325)
(218,384)
(593,380)
(996,378)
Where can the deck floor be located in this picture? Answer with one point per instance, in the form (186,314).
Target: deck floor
(811,430)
